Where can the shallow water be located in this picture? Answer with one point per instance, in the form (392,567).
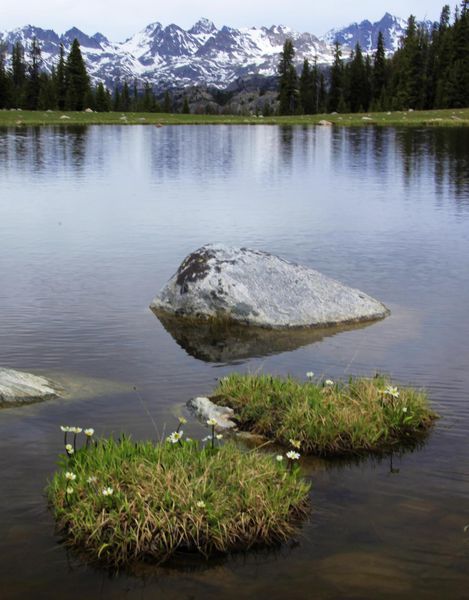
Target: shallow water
(94,221)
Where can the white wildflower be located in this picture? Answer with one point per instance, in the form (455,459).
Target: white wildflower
(200,504)
(89,432)
(92,479)
(293,455)
(309,374)
(329,382)
(219,436)
(279,458)
(70,476)
(108,491)
(69,448)
(65,428)
(69,490)
(212,422)
(392,391)
(175,437)
(182,420)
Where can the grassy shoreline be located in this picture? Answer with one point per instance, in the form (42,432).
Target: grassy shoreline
(327,418)
(428,118)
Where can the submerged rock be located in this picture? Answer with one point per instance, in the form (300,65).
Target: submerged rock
(256,288)
(205,409)
(18,387)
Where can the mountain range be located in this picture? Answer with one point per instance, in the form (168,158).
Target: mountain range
(170,57)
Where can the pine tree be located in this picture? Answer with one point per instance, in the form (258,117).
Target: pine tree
(33,81)
(167,102)
(102,103)
(185,106)
(76,78)
(459,75)
(5,91)
(288,81)
(60,83)
(358,92)
(322,94)
(307,91)
(315,86)
(148,98)
(18,66)
(336,88)
(409,68)
(135,98)
(116,99)
(47,92)
(379,77)
(125,97)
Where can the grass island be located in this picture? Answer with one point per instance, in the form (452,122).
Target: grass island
(120,502)
(325,417)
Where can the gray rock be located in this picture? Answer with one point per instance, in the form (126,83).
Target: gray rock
(18,387)
(257,288)
(205,409)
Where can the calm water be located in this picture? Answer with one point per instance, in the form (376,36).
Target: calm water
(94,221)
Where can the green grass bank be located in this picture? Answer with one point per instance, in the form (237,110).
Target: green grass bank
(327,418)
(430,118)
(120,502)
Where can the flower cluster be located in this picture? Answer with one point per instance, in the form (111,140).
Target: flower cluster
(75,430)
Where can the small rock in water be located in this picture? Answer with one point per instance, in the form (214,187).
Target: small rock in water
(205,409)
(324,123)
(18,387)
(256,288)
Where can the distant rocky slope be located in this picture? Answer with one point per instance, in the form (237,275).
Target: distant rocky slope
(202,55)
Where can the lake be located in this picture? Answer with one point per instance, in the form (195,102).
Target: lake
(92,224)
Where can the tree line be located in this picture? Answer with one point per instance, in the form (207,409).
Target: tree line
(429,70)
(27,85)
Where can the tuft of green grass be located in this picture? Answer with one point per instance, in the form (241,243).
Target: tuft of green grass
(120,501)
(361,415)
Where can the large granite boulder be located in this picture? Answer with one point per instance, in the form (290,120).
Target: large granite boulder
(18,387)
(257,288)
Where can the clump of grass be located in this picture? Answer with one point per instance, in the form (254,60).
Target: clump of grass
(121,501)
(327,418)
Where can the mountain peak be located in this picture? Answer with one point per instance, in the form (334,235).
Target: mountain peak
(203,25)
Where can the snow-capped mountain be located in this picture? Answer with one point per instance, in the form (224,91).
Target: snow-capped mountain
(366,33)
(174,57)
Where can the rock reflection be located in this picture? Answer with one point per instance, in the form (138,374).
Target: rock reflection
(220,342)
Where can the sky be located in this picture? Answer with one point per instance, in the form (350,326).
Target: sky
(119,19)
